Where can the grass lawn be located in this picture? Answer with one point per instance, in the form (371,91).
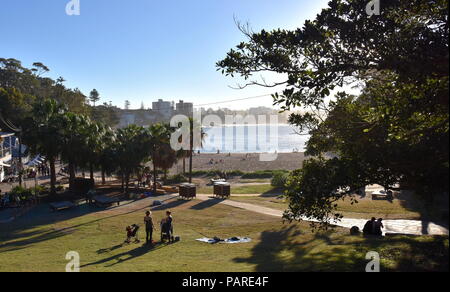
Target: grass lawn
(251,189)
(40,240)
(365,208)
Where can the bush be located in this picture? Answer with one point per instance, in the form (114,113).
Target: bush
(20,191)
(60,188)
(176,179)
(279,180)
(235,173)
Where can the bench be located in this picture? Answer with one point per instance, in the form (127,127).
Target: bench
(382,195)
(104,201)
(58,206)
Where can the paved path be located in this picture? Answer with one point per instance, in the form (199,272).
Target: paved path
(411,227)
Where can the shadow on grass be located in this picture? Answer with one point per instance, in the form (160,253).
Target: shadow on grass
(433,209)
(124,256)
(283,250)
(275,192)
(206,204)
(17,235)
(170,205)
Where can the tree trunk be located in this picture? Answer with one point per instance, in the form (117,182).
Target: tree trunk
(165,176)
(52,176)
(184,165)
(103,176)
(91,170)
(123,181)
(71,174)
(191,150)
(127,183)
(154,177)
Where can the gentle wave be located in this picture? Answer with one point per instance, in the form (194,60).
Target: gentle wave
(258,138)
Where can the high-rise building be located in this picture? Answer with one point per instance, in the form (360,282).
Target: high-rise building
(185,108)
(165,108)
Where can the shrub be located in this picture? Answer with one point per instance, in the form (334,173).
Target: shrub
(21,192)
(176,179)
(60,188)
(279,180)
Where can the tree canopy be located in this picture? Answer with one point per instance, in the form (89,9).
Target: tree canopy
(395,130)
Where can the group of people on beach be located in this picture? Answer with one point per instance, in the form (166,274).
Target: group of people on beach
(374,227)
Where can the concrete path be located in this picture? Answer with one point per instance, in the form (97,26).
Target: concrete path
(410,227)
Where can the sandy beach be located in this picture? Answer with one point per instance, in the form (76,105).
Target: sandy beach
(244,162)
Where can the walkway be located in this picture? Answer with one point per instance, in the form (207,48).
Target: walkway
(410,227)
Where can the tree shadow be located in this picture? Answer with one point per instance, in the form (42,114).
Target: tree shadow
(436,210)
(40,237)
(328,252)
(17,234)
(277,192)
(170,205)
(206,204)
(124,256)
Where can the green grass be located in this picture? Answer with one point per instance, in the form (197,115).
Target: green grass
(251,189)
(363,209)
(40,240)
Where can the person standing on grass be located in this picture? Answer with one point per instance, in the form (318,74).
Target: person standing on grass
(169,220)
(149,226)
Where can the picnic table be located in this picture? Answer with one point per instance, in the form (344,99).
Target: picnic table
(188,191)
(384,195)
(104,201)
(58,206)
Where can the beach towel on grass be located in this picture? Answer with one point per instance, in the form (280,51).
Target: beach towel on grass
(228,240)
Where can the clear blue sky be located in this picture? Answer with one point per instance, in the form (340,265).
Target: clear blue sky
(142,50)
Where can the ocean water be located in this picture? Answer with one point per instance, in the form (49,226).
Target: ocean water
(261,138)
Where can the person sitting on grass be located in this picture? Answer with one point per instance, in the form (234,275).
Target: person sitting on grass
(378,227)
(149,227)
(369,227)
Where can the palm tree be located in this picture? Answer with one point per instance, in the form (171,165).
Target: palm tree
(106,160)
(75,139)
(44,133)
(194,126)
(193,143)
(163,156)
(131,151)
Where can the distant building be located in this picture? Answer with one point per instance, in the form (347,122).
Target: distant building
(261,110)
(6,151)
(162,111)
(185,108)
(165,108)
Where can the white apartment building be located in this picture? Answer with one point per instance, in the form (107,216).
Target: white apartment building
(6,147)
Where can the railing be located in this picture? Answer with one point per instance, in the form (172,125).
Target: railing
(5,147)
(4,152)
